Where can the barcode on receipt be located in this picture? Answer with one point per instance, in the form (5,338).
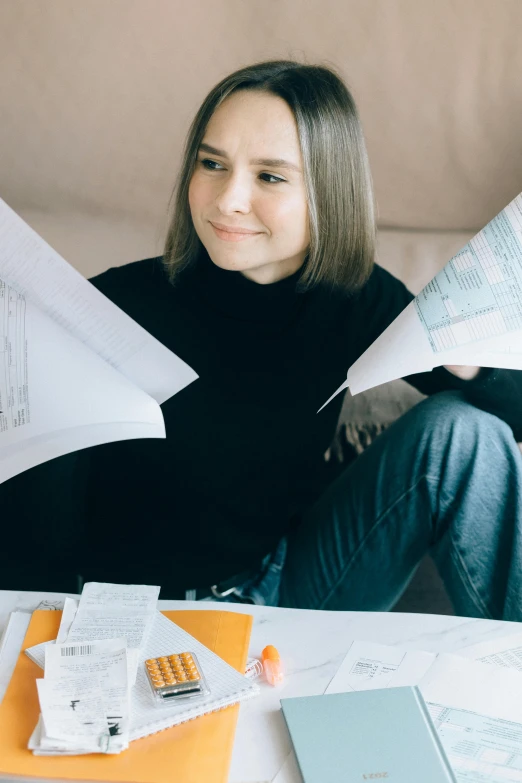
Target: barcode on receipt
(82,649)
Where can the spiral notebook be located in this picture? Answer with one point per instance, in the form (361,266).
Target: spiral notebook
(202,748)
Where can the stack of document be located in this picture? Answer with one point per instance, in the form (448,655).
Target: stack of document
(219,640)
(89,671)
(84,699)
(115,623)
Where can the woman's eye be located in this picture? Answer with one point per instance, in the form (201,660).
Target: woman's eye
(273,180)
(212,165)
(209,164)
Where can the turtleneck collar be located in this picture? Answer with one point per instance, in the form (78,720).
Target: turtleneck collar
(236,296)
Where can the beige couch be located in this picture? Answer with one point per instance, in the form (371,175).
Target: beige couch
(95,99)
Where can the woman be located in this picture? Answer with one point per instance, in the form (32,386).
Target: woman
(268,289)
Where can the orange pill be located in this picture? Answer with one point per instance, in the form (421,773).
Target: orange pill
(150,662)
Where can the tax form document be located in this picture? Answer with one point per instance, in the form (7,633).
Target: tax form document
(75,370)
(506,652)
(477,710)
(469,314)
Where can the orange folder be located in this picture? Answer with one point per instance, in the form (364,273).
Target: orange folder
(198,751)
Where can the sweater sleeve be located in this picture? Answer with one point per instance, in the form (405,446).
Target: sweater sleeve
(496,391)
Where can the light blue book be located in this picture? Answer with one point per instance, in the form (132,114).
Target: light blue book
(377,735)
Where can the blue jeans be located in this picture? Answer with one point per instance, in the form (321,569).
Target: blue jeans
(445,478)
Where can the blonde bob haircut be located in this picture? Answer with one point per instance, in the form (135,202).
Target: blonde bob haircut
(336,172)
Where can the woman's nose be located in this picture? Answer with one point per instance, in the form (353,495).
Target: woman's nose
(234,195)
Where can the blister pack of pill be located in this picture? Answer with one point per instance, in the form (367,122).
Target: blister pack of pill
(176,676)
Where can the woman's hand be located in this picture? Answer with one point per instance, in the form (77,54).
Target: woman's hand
(462,371)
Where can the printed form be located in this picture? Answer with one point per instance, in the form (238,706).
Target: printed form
(477,710)
(469,314)
(14,399)
(75,370)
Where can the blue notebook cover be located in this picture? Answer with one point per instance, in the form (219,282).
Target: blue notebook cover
(377,735)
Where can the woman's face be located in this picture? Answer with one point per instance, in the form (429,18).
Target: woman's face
(249,175)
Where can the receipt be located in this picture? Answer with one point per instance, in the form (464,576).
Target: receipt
(73,715)
(368,666)
(84,699)
(108,611)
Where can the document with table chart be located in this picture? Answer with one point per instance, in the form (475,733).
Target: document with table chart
(75,370)
(469,314)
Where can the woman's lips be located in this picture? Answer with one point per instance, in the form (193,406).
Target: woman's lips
(232,236)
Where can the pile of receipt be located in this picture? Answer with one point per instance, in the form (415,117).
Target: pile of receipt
(90,670)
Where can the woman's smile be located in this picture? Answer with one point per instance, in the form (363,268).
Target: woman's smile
(233,236)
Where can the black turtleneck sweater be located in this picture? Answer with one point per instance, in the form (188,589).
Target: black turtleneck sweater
(243,456)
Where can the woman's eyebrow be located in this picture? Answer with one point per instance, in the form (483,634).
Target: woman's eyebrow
(278,163)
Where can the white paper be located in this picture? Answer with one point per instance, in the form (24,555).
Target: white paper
(75,370)
(73,709)
(109,611)
(10,644)
(469,314)
(70,607)
(477,710)
(84,699)
(369,666)
(43,277)
(57,396)
(506,652)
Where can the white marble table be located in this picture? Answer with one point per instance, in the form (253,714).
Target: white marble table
(312,645)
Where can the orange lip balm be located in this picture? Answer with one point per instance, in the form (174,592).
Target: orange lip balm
(272,665)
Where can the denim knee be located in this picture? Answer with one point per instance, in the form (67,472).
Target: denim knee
(449,414)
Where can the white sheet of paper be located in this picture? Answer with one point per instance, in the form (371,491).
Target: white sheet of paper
(103,665)
(108,611)
(10,644)
(54,401)
(70,607)
(477,710)
(368,666)
(469,314)
(43,277)
(506,652)
(73,710)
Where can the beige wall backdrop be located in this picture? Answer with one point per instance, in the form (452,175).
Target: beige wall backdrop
(96,97)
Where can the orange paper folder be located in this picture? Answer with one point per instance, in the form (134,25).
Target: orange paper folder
(198,751)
